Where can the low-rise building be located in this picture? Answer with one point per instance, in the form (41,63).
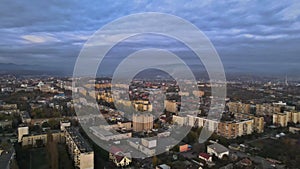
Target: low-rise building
(163,166)
(184,147)
(218,150)
(149,142)
(109,135)
(206,157)
(294,129)
(64,124)
(119,158)
(136,143)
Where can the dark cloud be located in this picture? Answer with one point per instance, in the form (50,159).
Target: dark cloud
(245,33)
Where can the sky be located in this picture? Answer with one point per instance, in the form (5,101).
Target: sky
(249,36)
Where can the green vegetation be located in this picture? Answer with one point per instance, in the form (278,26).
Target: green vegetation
(285,149)
(4,117)
(44,112)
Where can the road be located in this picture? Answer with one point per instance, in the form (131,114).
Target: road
(5,158)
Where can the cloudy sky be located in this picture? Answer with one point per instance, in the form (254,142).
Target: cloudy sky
(250,36)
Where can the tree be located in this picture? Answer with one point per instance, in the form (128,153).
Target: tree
(154,160)
(192,137)
(53,123)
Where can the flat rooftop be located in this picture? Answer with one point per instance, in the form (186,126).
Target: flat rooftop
(80,142)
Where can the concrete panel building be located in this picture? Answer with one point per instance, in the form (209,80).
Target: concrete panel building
(80,151)
(171,106)
(35,139)
(142,122)
(22,130)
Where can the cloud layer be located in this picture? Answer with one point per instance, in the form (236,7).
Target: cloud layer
(249,35)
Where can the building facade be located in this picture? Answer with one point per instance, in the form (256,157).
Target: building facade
(142,122)
(282,119)
(80,151)
(227,129)
(35,140)
(22,130)
(171,106)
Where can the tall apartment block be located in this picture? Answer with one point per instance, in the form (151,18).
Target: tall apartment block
(282,119)
(80,151)
(142,122)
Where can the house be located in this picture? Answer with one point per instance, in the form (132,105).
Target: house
(206,157)
(185,147)
(218,150)
(118,157)
(163,166)
(246,162)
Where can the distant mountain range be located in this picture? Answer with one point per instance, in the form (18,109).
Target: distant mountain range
(23,69)
(199,71)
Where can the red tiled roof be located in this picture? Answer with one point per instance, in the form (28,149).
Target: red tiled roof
(119,158)
(204,155)
(115,150)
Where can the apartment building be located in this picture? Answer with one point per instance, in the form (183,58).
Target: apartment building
(179,120)
(227,129)
(267,109)
(238,107)
(295,117)
(142,105)
(282,119)
(233,129)
(80,151)
(258,121)
(35,140)
(142,122)
(171,106)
